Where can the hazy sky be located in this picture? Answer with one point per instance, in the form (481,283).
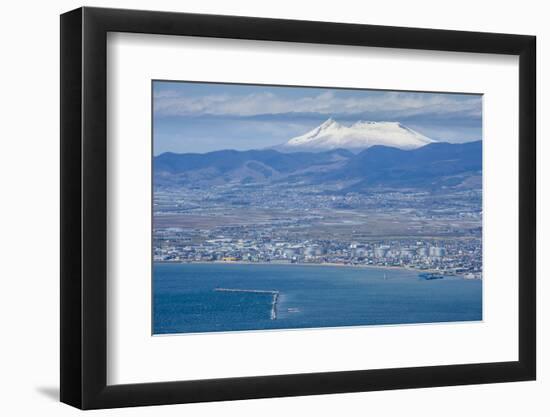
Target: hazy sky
(203,117)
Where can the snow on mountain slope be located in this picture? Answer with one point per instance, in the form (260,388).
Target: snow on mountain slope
(359,136)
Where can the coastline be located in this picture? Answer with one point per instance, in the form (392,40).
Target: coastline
(329,264)
(325,264)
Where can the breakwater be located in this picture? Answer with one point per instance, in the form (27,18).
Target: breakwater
(274,294)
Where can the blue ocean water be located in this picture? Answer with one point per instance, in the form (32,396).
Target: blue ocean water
(185,300)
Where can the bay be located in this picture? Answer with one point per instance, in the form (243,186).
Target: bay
(187,297)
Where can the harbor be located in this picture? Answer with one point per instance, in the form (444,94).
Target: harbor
(215,297)
(275,295)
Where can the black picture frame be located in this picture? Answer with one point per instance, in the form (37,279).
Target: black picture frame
(84,207)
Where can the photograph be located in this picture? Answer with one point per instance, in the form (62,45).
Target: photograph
(297,207)
(275,209)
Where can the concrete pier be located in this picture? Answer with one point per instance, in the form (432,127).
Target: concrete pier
(274,294)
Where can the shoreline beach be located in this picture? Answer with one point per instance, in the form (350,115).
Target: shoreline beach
(325,264)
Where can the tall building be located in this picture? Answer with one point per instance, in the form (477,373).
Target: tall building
(437,252)
(381,251)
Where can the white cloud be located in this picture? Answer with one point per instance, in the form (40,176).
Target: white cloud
(174,103)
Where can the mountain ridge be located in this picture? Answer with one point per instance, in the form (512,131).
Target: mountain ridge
(438,164)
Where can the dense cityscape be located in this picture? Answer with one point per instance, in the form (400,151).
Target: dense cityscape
(437,232)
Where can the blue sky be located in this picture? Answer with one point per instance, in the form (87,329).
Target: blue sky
(203,117)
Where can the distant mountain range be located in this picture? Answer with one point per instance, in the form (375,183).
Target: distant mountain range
(434,165)
(359,136)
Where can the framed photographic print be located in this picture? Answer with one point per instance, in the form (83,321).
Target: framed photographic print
(257,208)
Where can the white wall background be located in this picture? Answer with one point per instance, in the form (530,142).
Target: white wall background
(29,237)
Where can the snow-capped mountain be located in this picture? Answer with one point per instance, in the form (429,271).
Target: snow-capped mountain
(360,135)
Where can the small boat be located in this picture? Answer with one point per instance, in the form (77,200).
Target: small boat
(428,276)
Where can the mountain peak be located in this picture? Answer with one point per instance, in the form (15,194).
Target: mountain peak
(360,135)
(328,123)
